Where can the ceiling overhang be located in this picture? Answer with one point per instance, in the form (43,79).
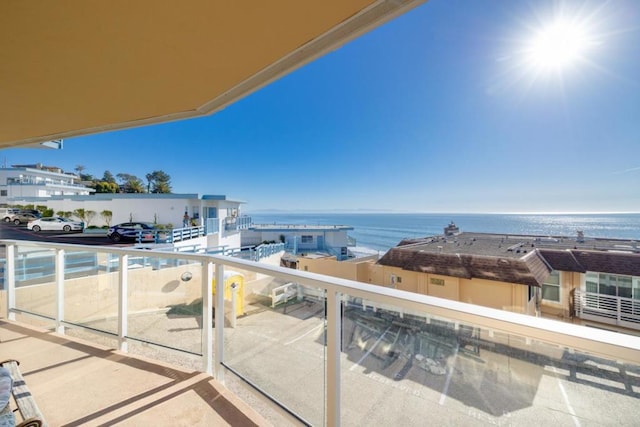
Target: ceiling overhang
(70,68)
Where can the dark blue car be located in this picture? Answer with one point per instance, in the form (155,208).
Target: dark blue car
(135,231)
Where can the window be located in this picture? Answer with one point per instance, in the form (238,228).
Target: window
(613,284)
(3,192)
(551,287)
(306,239)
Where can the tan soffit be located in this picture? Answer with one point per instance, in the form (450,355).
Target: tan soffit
(70,68)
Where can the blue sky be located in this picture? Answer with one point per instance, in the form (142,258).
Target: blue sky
(441,110)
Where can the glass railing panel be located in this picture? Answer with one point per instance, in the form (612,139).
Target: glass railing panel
(91,290)
(278,343)
(421,370)
(165,301)
(35,280)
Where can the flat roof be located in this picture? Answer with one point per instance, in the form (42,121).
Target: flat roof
(514,245)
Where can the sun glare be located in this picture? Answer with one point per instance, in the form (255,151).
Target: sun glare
(559,45)
(551,45)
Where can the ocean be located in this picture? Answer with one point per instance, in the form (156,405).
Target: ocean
(378,232)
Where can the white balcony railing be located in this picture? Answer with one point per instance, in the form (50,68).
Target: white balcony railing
(339,352)
(607,309)
(234,223)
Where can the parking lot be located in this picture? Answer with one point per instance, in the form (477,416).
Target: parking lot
(19,232)
(11,231)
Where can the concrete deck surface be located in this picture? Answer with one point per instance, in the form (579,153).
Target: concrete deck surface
(76,383)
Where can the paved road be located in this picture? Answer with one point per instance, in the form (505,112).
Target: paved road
(20,232)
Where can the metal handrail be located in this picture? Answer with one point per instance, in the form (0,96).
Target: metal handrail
(619,347)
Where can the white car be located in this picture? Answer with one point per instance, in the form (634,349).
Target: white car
(55,223)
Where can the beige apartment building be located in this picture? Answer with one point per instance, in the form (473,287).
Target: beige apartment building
(590,281)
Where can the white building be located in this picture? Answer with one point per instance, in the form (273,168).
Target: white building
(37,181)
(299,238)
(221,217)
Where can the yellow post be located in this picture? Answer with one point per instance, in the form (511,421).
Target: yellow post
(233,282)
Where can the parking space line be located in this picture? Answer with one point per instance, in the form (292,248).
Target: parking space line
(305,334)
(576,421)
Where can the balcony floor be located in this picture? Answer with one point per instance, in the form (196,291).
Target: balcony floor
(75,383)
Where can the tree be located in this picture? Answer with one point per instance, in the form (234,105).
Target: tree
(64,214)
(149,181)
(162,188)
(108,177)
(85,215)
(79,213)
(43,210)
(89,215)
(130,183)
(105,187)
(107,216)
(79,169)
(158,182)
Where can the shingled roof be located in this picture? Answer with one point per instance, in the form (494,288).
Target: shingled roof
(530,270)
(518,259)
(601,261)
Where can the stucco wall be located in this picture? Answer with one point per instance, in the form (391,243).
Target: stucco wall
(440,286)
(489,293)
(504,296)
(562,311)
(329,266)
(162,209)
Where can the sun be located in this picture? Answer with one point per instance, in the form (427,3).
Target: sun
(554,47)
(558,45)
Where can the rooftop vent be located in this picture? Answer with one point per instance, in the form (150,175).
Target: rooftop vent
(451,229)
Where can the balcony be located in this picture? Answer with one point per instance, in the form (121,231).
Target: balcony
(42,181)
(235,223)
(609,309)
(333,352)
(76,383)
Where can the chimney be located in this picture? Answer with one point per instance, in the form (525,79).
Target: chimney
(451,229)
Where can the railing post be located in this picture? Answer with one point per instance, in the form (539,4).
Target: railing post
(219,310)
(619,310)
(59,275)
(10,280)
(207,318)
(123,293)
(334,326)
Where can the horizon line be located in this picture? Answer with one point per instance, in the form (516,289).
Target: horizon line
(391,211)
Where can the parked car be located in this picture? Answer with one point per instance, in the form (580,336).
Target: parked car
(55,223)
(145,231)
(7,213)
(24,217)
